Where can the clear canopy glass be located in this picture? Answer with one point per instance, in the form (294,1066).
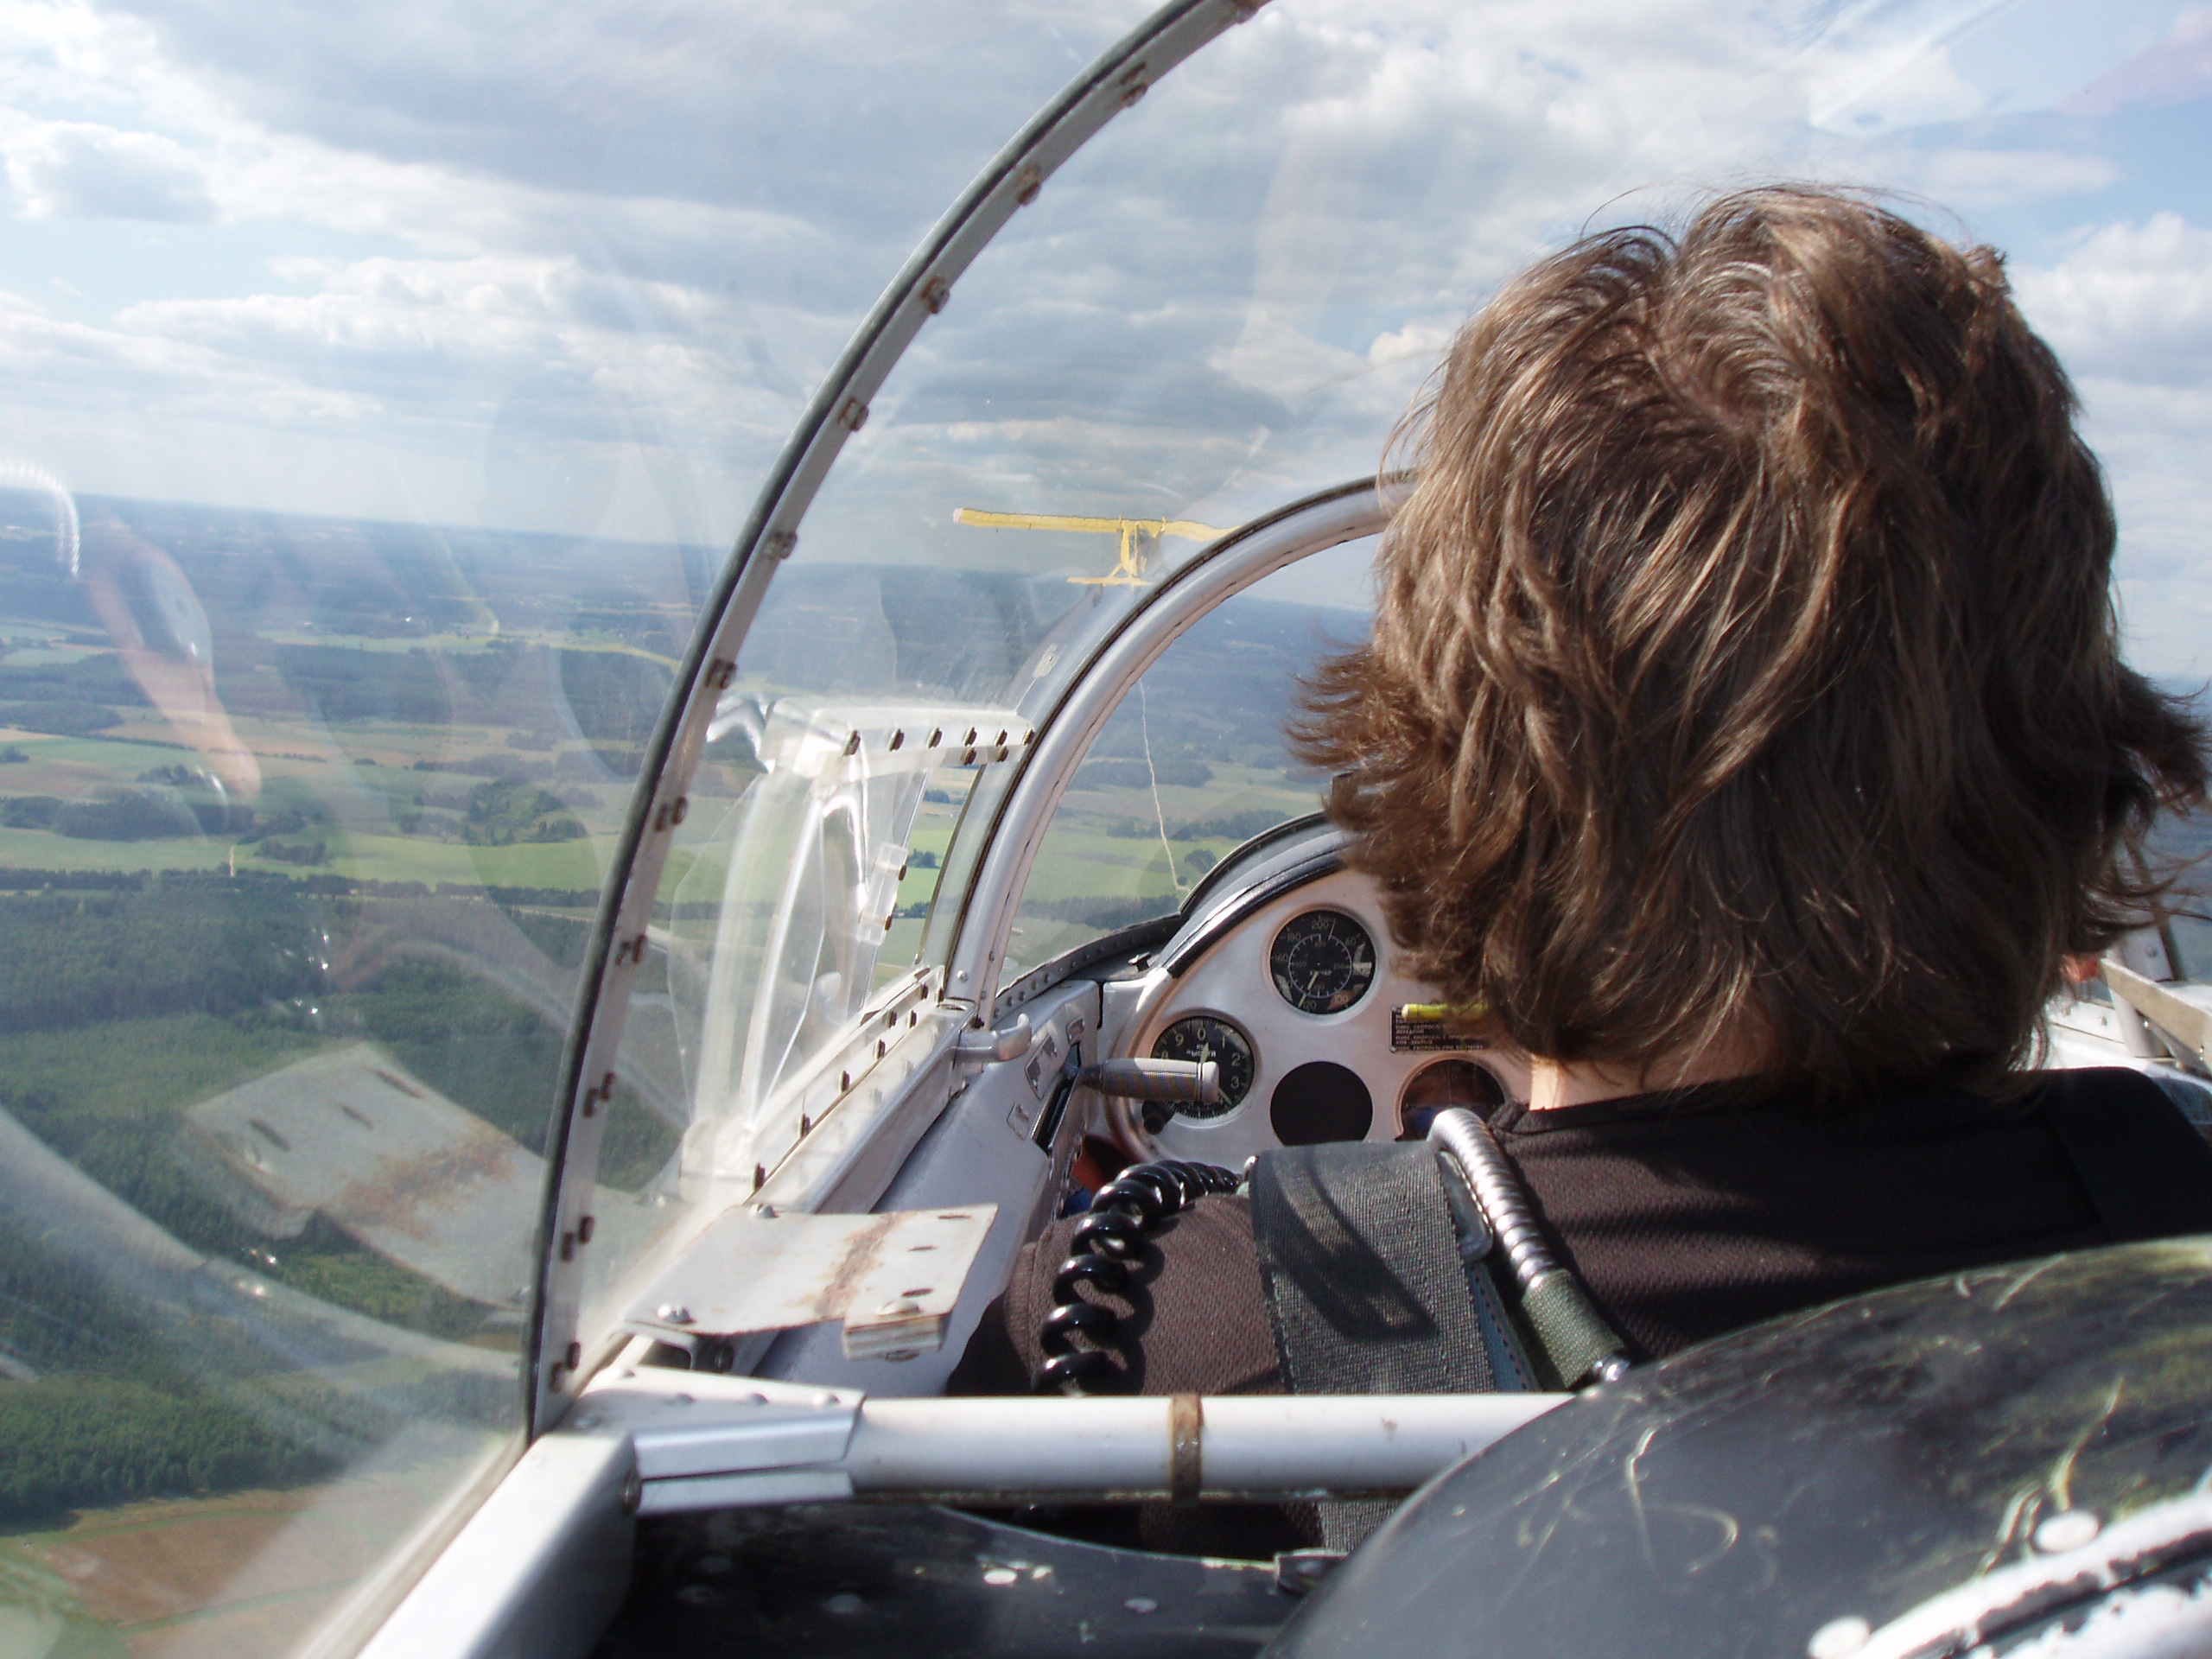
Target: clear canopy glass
(384,391)
(1193,763)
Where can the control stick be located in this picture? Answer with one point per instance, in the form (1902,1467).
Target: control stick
(1161,1084)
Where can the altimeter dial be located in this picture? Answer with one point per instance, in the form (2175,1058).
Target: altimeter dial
(1202,1037)
(1323,962)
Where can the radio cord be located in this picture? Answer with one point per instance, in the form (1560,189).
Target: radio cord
(1107,1244)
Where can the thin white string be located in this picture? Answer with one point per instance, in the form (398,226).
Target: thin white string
(1158,812)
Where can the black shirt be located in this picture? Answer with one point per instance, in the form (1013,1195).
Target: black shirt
(1684,1217)
(1684,1214)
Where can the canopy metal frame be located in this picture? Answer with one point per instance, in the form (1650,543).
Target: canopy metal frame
(617,948)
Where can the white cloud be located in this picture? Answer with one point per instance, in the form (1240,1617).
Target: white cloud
(1418,342)
(2131,302)
(2128,308)
(538,217)
(79,170)
(489,305)
(468,230)
(1966,178)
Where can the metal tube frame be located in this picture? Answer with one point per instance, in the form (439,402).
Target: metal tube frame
(1220,572)
(705,1442)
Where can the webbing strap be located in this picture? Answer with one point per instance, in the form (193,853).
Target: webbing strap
(2147,1171)
(1361,1269)
(1365,1288)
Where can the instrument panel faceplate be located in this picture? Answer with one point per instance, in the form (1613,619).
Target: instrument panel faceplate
(1321,1050)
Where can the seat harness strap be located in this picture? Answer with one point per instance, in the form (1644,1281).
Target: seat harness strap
(1360,1263)
(1363,1255)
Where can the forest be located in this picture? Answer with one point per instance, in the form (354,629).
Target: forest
(121,1006)
(99,1411)
(260,959)
(129,997)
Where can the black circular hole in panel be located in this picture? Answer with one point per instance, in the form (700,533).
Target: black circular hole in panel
(1321,1101)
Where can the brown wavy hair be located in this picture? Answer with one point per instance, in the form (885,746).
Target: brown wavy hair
(1746,648)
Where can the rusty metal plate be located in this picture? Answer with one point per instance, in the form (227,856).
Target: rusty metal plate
(893,1279)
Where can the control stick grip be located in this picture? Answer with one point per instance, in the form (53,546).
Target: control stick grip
(1183,1083)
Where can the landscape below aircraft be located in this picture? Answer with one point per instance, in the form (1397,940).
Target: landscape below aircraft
(861,900)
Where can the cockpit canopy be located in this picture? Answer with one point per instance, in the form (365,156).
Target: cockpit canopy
(551,682)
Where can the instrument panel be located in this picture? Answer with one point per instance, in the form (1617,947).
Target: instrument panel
(1285,979)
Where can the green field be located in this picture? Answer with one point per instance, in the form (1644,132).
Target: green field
(120,1010)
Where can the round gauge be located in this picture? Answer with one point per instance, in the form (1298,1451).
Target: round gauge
(1323,962)
(1447,1082)
(1202,1037)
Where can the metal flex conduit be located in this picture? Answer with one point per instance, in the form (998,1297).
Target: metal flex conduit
(1581,1345)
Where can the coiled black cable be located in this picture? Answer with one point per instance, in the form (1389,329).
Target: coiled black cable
(1106,1245)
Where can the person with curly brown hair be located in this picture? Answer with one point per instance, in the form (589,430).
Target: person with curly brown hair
(1743,738)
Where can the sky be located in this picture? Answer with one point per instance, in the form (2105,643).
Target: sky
(578,267)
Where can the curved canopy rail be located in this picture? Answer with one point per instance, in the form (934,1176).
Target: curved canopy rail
(851,831)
